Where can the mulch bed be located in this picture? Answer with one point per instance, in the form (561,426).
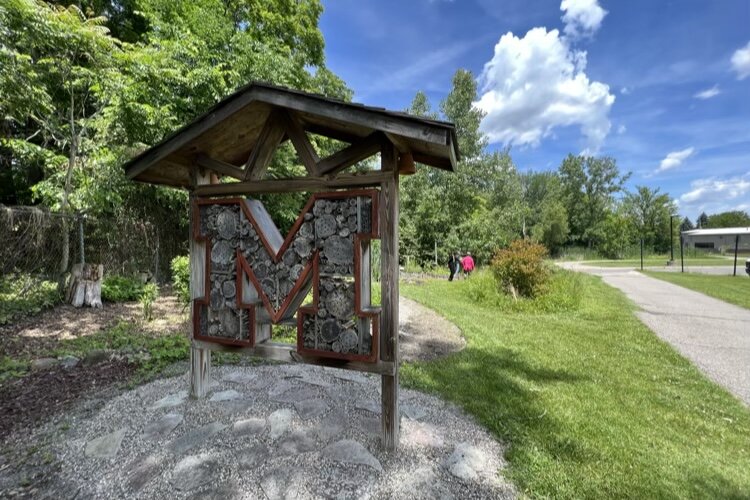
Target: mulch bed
(40,395)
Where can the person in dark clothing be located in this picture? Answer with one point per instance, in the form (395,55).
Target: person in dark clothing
(452,266)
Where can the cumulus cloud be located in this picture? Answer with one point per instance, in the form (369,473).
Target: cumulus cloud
(708,93)
(741,62)
(581,17)
(720,193)
(675,159)
(536,83)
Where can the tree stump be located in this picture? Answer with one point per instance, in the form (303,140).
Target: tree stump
(85,286)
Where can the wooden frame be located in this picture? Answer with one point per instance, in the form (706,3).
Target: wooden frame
(251,123)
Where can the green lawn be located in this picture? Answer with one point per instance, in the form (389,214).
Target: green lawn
(732,289)
(590,402)
(662,261)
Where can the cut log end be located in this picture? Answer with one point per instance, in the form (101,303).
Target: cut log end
(85,288)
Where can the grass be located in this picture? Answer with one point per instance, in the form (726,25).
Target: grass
(662,261)
(25,295)
(152,354)
(732,289)
(590,402)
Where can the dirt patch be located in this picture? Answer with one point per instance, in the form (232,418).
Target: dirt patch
(424,335)
(34,398)
(33,336)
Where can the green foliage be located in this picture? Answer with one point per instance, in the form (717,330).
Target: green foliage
(735,218)
(148,297)
(117,288)
(591,403)
(151,354)
(181,279)
(588,188)
(520,268)
(562,293)
(617,237)
(12,368)
(25,295)
(649,211)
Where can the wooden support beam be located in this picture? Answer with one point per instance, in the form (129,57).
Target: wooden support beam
(288,353)
(307,154)
(350,155)
(389,208)
(200,359)
(295,184)
(220,167)
(269,139)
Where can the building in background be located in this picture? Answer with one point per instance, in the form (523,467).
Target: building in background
(721,240)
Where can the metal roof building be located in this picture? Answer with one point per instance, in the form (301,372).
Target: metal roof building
(718,240)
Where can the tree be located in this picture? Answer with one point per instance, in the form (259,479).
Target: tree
(735,218)
(589,186)
(702,221)
(649,212)
(686,224)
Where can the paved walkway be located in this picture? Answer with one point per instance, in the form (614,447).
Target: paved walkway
(711,333)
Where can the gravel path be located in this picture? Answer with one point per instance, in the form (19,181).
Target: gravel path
(275,431)
(711,333)
(423,334)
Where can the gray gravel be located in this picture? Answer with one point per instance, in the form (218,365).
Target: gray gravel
(713,334)
(291,431)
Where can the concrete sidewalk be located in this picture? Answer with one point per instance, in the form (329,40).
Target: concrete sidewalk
(711,333)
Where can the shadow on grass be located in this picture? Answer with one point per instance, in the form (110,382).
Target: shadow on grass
(501,389)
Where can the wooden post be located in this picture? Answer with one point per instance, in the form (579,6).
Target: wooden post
(200,358)
(389,206)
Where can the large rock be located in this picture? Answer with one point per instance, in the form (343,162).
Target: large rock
(311,408)
(239,377)
(251,457)
(228,395)
(249,426)
(195,437)
(106,446)
(279,422)
(43,364)
(170,401)
(297,442)
(163,426)
(141,472)
(466,462)
(348,451)
(194,471)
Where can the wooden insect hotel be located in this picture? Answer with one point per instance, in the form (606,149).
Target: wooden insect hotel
(247,277)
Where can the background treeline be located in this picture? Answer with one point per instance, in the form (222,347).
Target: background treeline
(84,87)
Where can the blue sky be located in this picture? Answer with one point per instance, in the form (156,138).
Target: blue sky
(662,86)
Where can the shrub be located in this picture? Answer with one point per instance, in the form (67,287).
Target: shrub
(520,268)
(149,295)
(181,278)
(25,295)
(562,293)
(121,289)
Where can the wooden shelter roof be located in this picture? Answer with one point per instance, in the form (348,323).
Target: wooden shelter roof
(239,131)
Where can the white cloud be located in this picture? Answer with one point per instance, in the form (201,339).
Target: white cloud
(622,129)
(536,83)
(625,90)
(582,17)
(708,93)
(741,62)
(718,194)
(675,159)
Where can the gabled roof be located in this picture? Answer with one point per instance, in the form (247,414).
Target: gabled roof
(229,131)
(723,231)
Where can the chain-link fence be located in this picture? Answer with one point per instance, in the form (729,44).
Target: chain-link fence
(44,245)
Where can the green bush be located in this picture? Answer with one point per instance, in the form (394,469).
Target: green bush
(181,278)
(25,295)
(563,293)
(520,269)
(149,295)
(121,289)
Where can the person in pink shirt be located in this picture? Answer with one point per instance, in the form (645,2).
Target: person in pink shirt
(468,264)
